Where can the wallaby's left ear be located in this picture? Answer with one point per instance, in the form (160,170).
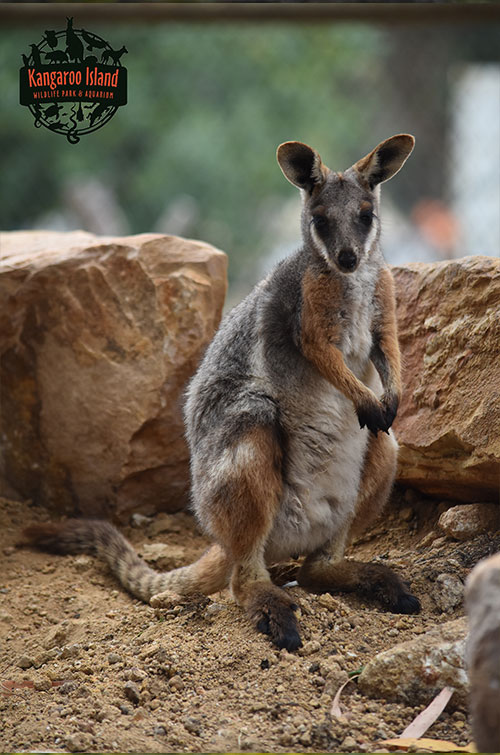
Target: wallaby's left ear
(301,164)
(385,160)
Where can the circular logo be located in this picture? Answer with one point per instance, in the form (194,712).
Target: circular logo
(73,82)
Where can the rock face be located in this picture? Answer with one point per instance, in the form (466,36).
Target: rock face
(448,425)
(98,338)
(415,672)
(483,651)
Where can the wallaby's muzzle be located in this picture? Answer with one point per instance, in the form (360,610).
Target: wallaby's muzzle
(347,260)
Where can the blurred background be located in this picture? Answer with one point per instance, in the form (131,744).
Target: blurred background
(193,151)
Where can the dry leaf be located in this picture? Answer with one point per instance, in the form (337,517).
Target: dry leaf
(426,745)
(336,710)
(426,718)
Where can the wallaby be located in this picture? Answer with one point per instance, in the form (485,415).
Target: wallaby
(284,413)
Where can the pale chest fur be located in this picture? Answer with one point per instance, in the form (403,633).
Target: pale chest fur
(326,447)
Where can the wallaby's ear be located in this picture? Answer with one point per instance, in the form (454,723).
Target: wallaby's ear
(385,160)
(301,165)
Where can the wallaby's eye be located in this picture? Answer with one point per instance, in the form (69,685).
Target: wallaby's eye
(366,218)
(319,222)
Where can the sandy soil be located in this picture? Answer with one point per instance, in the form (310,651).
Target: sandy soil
(85,667)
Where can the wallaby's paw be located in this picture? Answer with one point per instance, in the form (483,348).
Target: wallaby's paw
(390,403)
(272,612)
(382,583)
(372,416)
(406,603)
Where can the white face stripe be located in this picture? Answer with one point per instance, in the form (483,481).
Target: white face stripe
(319,244)
(372,235)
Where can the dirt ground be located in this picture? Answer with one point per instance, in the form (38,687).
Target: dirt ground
(85,667)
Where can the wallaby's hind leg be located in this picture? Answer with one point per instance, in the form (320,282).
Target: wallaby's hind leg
(327,571)
(240,515)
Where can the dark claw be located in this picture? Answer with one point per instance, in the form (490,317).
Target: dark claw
(407,603)
(372,417)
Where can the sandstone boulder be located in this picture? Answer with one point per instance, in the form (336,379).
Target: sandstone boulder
(448,424)
(414,672)
(98,337)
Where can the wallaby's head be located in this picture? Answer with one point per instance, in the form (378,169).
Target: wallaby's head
(340,210)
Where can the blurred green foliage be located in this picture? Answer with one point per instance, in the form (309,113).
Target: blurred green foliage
(208,105)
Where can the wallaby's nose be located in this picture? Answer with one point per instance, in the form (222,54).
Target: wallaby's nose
(347,260)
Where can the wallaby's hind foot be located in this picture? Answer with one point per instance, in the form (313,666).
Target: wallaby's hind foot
(320,574)
(272,612)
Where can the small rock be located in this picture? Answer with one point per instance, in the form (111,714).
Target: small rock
(43,684)
(468,520)
(447,592)
(134,674)
(132,692)
(25,661)
(427,539)
(67,687)
(55,638)
(9,550)
(82,563)
(328,601)
(349,744)
(114,658)
(214,608)
(78,742)
(162,555)
(309,648)
(177,683)
(160,731)
(193,726)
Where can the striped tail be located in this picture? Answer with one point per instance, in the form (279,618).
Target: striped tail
(209,574)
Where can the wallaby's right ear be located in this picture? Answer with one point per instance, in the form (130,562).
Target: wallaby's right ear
(301,165)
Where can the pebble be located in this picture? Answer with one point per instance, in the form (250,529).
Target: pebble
(134,674)
(328,601)
(42,685)
(349,744)
(193,726)
(25,661)
(114,658)
(78,742)
(177,683)
(309,648)
(447,592)
(214,608)
(132,692)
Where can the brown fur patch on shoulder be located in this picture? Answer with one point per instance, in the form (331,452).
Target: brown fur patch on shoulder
(320,293)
